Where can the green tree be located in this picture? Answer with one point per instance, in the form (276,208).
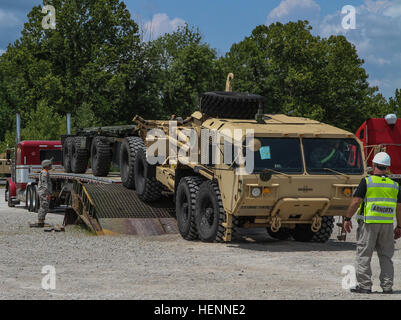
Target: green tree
(395,103)
(304,75)
(182,67)
(83,62)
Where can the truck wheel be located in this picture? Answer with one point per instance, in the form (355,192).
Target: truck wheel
(232,105)
(35,196)
(79,157)
(282,234)
(146,185)
(6,193)
(210,214)
(67,150)
(185,206)
(324,234)
(101,156)
(303,232)
(28,198)
(128,151)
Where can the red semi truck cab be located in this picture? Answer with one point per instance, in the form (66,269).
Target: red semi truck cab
(383,134)
(28,158)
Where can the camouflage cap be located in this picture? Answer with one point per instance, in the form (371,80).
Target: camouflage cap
(46,163)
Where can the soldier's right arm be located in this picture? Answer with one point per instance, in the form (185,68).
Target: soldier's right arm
(398,214)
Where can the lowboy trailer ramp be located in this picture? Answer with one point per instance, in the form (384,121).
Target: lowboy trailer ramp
(108,208)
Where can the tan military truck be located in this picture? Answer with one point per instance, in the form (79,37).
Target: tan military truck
(299,175)
(5,165)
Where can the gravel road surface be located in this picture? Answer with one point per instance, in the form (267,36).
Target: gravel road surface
(167,267)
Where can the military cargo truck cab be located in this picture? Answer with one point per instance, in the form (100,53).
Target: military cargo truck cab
(303,174)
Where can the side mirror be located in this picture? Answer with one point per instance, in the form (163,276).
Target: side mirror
(265,176)
(254,145)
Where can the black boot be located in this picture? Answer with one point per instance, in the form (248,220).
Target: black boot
(37,225)
(358,289)
(389,291)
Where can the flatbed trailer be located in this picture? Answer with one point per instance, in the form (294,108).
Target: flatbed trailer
(104,205)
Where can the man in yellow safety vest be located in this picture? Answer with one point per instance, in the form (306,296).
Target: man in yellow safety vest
(377,201)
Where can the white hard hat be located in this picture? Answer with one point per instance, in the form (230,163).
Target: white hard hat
(382,159)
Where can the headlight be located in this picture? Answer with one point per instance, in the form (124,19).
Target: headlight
(256,192)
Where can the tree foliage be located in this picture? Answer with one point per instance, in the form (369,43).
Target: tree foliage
(95,66)
(305,75)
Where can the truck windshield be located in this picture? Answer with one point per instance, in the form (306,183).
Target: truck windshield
(341,155)
(282,155)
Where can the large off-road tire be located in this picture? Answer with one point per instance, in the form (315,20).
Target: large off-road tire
(146,186)
(282,234)
(79,157)
(186,193)
(67,154)
(303,232)
(231,105)
(210,215)
(129,149)
(100,156)
(324,234)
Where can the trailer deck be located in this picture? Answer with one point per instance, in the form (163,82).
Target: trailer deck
(107,207)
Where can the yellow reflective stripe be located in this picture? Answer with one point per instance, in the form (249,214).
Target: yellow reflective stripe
(381,200)
(368,219)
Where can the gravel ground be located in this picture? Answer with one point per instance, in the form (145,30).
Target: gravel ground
(167,267)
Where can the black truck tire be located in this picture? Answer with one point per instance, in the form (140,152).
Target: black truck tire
(28,200)
(281,234)
(67,150)
(10,201)
(303,232)
(324,234)
(129,149)
(79,157)
(100,156)
(186,193)
(230,105)
(36,205)
(210,215)
(146,186)
(7,193)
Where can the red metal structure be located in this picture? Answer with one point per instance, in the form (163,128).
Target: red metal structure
(383,134)
(28,156)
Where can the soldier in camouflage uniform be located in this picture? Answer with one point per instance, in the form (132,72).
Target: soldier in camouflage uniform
(45,191)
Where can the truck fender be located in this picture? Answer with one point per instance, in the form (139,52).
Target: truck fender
(11,187)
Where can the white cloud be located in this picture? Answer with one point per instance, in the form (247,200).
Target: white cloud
(161,24)
(377,38)
(289,10)
(2,51)
(8,19)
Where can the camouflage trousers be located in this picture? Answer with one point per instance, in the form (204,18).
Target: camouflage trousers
(44,207)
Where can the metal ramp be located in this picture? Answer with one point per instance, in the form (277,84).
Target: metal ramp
(113,209)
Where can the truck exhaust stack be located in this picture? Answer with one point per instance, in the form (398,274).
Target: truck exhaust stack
(68,123)
(18,138)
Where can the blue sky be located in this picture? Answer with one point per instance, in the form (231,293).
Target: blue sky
(223,22)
